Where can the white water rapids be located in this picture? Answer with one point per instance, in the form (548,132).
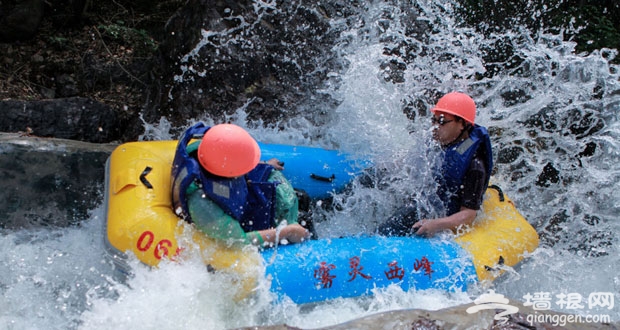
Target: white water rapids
(58,278)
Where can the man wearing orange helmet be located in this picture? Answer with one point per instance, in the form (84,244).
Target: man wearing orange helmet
(464,175)
(220,186)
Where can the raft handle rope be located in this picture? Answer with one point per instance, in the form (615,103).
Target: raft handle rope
(323,178)
(499,191)
(143,179)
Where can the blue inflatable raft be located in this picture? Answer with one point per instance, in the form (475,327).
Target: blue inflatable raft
(355,266)
(350,267)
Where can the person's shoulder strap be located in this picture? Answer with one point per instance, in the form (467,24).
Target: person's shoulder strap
(185,169)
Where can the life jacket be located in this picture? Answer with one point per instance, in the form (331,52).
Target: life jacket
(249,199)
(457,160)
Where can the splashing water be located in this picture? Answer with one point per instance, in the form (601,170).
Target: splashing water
(553,117)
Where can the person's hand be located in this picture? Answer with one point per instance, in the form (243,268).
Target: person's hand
(276,163)
(294,233)
(425,228)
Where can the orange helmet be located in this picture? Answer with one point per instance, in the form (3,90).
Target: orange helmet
(458,104)
(228,150)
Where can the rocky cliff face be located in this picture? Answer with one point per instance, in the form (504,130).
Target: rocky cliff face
(83,59)
(207,59)
(219,56)
(137,61)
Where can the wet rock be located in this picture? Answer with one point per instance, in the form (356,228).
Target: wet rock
(553,230)
(219,56)
(583,123)
(592,243)
(513,97)
(548,176)
(545,120)
(457,318)
(509,155)
(49,182)
(589,150)
(68,118)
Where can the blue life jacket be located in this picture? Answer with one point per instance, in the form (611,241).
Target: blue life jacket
(250,199)
(457,160)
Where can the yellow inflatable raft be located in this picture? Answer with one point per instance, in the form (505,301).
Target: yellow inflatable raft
(140,219)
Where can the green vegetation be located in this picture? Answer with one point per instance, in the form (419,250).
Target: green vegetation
(139,39)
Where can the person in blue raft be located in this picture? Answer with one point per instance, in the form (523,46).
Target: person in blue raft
(463,177)
(220,185)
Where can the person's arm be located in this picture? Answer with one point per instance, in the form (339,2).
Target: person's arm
(215,223)
(471,199)
(431,227)
(276,163)
(287,207)
(287,204)
(286,210)
(294,233)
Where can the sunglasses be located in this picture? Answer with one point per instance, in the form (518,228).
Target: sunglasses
(441,120)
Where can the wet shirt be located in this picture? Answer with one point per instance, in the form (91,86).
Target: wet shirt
(474,186)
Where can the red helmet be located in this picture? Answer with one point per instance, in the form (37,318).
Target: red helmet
(228,150)
(458,104)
